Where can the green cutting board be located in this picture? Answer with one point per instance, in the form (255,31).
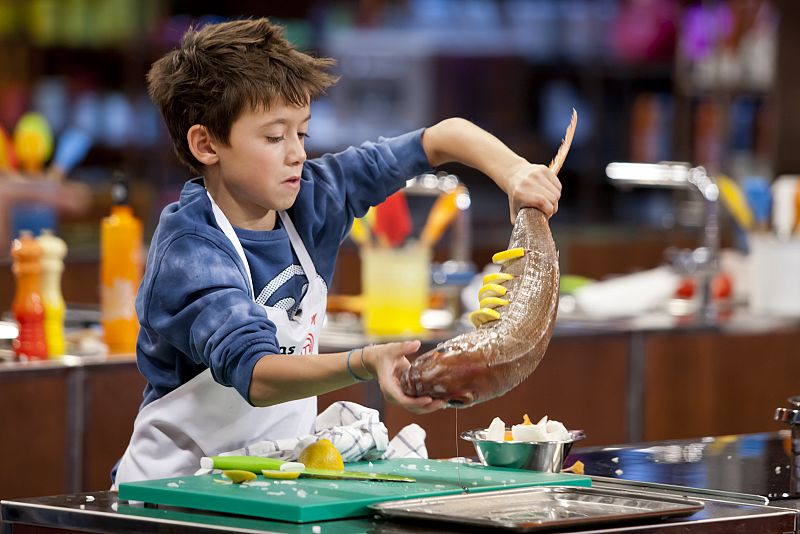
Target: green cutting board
(313,499)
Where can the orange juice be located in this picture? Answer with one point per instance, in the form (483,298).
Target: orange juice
(120,273)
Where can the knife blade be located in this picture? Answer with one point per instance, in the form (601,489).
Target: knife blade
(256,464)
(359,475)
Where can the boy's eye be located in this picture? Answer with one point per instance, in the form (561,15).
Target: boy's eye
(303,135)
(274,139)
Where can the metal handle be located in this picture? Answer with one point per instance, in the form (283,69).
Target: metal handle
(788,416)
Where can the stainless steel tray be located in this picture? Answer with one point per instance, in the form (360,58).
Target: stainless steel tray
(541,508)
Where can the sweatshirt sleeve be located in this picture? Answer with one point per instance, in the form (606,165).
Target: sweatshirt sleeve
(199,303)
(357,178)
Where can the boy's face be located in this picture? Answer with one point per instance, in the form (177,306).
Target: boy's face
(259,170)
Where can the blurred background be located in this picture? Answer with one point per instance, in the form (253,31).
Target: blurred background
(656,337)
(702,82)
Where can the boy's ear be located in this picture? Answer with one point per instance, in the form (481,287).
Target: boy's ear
(202,145)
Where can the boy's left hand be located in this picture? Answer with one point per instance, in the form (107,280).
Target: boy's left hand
(386,362)
(533,186)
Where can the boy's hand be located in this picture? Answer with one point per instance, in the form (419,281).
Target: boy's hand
(533,186)
(386,362)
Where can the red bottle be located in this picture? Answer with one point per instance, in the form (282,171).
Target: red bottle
(27,306)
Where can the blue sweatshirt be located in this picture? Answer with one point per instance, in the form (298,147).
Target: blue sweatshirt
(194,304)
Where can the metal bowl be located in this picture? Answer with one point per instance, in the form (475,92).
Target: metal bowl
(547,456)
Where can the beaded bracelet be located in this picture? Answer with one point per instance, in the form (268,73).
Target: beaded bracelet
(350,370)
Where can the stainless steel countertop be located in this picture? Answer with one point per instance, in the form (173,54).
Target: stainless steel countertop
(753,464)
(742,480)
(101,511)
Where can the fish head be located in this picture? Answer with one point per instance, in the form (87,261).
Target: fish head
(455,374)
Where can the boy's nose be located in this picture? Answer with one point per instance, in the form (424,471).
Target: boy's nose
(296,153)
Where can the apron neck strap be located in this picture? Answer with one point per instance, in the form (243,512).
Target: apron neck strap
(294,238)
(226,227)
(298,246)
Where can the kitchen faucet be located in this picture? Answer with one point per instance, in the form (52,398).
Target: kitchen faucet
(702,261)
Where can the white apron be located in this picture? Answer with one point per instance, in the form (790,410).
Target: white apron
(203,418)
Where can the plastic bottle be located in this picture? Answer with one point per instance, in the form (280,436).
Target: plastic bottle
(27,305)
(53,251)
(120,272)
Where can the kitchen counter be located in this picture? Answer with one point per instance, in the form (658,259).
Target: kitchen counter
(743,481)
(101,512)
(747,464)
(625,381)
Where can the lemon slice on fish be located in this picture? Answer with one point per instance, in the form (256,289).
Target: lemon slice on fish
(497,278)
(493,302)
(484,315)
(508,255)
(491,290)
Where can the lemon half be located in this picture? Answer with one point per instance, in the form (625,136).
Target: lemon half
(322,455)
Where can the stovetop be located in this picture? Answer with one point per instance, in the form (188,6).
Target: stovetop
(758,464)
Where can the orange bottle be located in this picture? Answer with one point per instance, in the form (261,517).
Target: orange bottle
(120,272)
(27,306)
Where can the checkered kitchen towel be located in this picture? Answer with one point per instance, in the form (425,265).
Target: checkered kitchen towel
(357,433)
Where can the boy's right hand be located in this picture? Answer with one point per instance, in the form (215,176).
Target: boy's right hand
(386,362)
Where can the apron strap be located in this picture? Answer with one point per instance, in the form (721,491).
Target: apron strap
(226,227)
(298,246)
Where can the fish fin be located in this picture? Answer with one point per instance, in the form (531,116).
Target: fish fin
(561,155)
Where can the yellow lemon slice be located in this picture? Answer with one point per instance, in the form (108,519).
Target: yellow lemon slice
(274,473)
(484,315)
(493,302)
(497,278)
(491,290)
(507,255)
(237,476)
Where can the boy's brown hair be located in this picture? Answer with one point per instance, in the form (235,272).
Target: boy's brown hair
(221,70)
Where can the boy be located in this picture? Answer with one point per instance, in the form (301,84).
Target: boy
(234,291)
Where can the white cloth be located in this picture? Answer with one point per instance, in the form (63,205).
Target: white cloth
(203,418)
(356,431)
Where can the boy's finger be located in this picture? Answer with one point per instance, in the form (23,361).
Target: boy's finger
(434,406)
(553,179)
(394,393)
(404,347)
(412,346)
(551,188)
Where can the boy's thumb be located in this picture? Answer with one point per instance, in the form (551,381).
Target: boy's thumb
(412,346)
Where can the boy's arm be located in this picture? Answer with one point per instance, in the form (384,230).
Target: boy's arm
(526,184)
(280,378)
